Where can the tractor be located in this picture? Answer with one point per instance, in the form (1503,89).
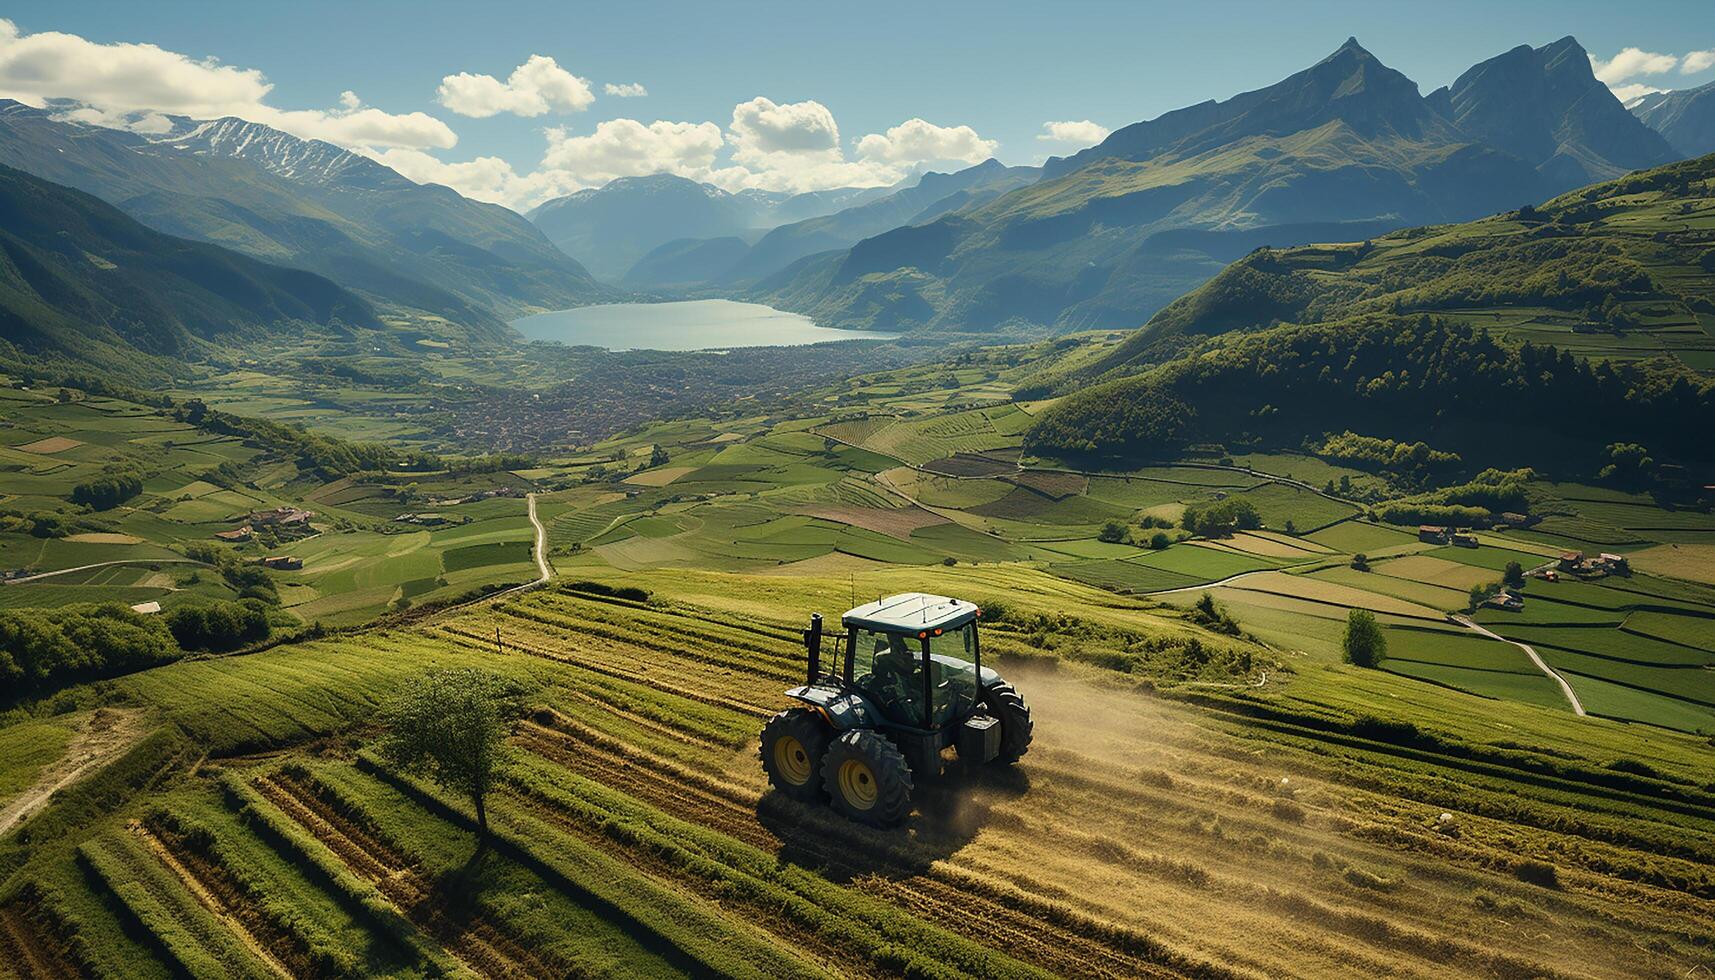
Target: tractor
(904,681)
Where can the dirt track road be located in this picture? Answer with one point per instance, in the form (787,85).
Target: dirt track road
(106,733)
(1554,675)
(541,550)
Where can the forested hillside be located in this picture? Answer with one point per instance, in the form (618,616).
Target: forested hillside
(1588,316)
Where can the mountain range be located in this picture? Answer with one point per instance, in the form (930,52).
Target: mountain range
(311,205)
(1346,148)
(608,228)
(1686,118)
(732,261)
(80,279)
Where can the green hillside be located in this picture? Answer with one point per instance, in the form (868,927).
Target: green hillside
(308,204)
(1619,270)
(80,279)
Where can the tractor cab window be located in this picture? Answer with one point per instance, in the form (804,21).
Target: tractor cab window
(953,673)
(888,668)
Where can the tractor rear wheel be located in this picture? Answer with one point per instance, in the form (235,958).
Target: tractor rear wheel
(867,779)
(1004,702)
(793,743)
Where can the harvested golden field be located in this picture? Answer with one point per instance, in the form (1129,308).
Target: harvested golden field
(1275,825)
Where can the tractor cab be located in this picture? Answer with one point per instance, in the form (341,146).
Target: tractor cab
(902,678)
(916,659)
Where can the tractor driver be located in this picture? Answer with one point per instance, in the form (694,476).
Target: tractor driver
(896,678)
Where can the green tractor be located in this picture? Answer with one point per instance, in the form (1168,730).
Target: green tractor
(905,680)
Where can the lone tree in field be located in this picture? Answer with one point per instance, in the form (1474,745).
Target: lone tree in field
(1513,577)
(1364,645)
(450,726)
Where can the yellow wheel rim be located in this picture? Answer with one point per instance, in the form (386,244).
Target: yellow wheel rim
(792,762)
(857,784)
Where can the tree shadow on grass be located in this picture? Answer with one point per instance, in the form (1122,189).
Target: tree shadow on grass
(948,812)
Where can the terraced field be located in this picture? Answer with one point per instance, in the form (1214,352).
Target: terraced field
(1215,831)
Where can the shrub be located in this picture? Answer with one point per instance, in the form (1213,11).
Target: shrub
(1364,644)
(1207,612)
(630,592)
(41,650)
(1222,517)
(220,626)
(108,490)
(1537,873)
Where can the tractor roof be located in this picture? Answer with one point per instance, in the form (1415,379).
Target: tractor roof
(912,612)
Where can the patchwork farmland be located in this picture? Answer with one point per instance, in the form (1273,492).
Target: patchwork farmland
(1216,832)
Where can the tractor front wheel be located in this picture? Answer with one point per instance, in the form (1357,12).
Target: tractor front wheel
(793,743)
(867,779)
(1004,702)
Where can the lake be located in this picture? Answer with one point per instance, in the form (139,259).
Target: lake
(702,324)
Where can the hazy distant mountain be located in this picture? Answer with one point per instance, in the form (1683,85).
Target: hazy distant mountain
(933,195)
(80,278)
(1685,118)
(1545,106)
(1347,142)
(609,228)
(312,205)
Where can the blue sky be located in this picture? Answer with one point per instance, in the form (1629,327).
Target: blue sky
(1001,69)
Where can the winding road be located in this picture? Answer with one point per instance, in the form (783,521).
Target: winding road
(541,549)
(1565,688)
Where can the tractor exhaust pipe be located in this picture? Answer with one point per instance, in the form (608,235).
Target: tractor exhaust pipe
(813,643)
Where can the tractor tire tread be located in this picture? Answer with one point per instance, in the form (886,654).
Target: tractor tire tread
(813,733)
(892,773)
(1016,729)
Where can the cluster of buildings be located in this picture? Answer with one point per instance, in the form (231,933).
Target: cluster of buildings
(1510,601)
(1441,534)
(1578,563)
(285,521)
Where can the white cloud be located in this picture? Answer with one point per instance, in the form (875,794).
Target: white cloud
(488,178)
(1081,132)
(628,148)
(761,126)
(628,90)
(1630,63)
(121,77)
(133,86)
(534,88)
(137,122)
(1629,93)
(916,141)
(357,126)
(1697,61)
